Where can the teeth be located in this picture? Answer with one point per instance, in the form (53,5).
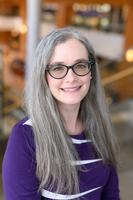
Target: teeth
(70,89)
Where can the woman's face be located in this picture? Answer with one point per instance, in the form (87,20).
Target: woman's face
(71,89)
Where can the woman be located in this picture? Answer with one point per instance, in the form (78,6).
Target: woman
(65,148)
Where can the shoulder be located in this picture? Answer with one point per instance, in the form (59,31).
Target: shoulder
(22,134)
(19,164)
(23,123)
(23,127)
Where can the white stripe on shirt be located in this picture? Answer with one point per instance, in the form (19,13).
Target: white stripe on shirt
(52,195)
(84,162)
(28,122)
(77,141)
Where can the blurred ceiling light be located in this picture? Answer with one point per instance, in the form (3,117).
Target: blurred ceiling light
(104,22)
(129,55)
(105,7)
(98,8)
(78,19)
(93,21)
(76,7)
(83,7)
(79,7)
(23,28)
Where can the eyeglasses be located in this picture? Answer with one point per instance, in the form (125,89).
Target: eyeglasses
(59,71)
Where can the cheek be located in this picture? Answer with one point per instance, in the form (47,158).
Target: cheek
(87,79)
(49,80)
(52,83)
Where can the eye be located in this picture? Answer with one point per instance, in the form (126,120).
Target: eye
(57,68)
(81,65)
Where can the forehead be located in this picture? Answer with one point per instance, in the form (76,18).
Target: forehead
(69,50)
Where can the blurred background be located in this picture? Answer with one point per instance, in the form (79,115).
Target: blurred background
(108,24)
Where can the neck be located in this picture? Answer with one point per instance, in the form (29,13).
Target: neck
(71,121)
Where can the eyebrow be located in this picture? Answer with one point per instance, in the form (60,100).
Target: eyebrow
(62,63)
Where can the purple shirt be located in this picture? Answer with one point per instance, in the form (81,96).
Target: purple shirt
(99,182)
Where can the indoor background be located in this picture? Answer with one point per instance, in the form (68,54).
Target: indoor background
(108,24)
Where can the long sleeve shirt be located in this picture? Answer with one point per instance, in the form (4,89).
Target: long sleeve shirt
(98,182)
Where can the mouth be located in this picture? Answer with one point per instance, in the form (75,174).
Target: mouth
(71,89)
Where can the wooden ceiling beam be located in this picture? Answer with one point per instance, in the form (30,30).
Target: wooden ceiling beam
(8,3)
(112,2)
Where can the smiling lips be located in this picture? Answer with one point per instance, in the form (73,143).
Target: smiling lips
(71,89)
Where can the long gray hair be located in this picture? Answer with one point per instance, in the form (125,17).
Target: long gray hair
(54,151)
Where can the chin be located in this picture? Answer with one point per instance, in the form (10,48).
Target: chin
(71,102)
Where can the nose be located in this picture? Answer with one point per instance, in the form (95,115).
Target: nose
(70,75)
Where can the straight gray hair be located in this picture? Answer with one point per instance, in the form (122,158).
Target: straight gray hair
(54,149)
